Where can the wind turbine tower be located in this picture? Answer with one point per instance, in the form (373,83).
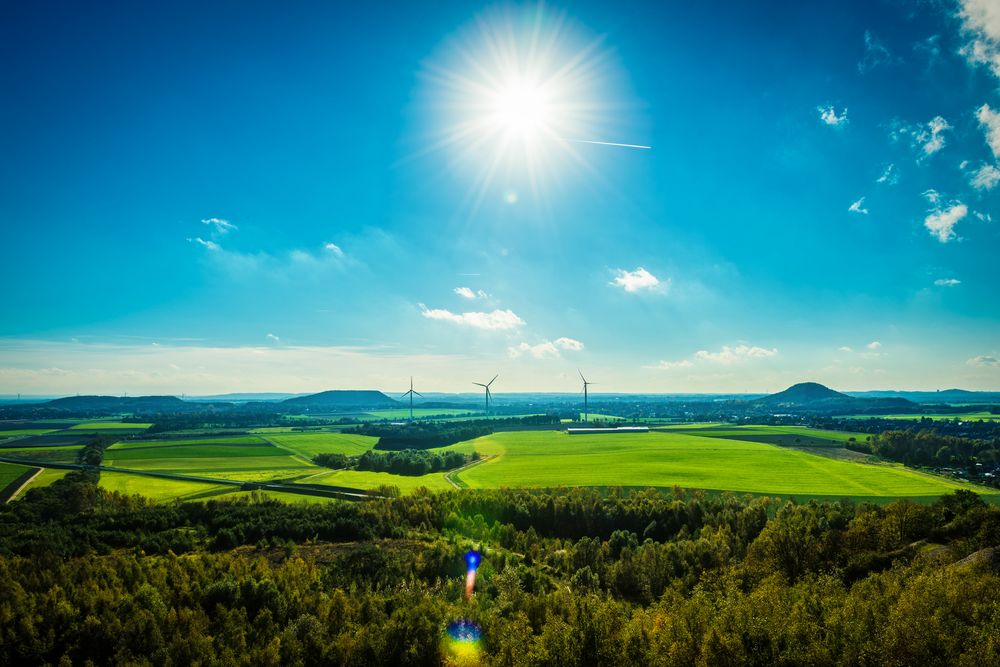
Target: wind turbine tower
(586,411)
(488,394)
(410,394)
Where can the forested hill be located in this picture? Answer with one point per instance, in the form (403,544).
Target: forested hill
(812,396)
(342,398)
(121,404)
(575,577)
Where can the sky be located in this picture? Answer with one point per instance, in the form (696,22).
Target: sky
(243,196)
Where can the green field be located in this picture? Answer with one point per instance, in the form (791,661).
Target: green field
(404,413)
(109,426)
(9,472)
(246,458)
(62,454)
(791,436)
(24,431)
(664,458)
(963,416)
(364,479)
(161,489)
(46,477)
(311,444)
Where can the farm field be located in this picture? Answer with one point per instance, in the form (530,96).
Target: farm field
(365,479)
(62,454)
(46,477)
(404,413)
(963,416)
(161,489)
(791,436)
(311,444)
(11,433)
(109,426)
(9,472)
(664,459)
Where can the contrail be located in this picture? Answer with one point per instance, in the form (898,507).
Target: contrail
(608,143)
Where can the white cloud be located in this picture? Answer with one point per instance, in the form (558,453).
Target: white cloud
(271,337)
(941,223)
(671,365)
(334,248)
(569,344)
(875,54)
(984,360)
(889,176)
(543,350)
(989,120)
(874,345)
(464,292)
(209,245)
(221,226)
(729,355)
(927,137)
(981,21)
(931,137)
(845,349)
(947,282)
(933,196)
(985,178)
(856,207)
(829,115)
(497,320)
(640,279)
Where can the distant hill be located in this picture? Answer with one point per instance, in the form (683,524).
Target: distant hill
(942,396)
(342,399)
(815,397)
(803,392)
(119,403)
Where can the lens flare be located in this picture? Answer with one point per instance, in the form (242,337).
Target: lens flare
(463,645)
(472,560)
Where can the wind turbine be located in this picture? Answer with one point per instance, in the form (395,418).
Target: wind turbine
(487,388)
(410,394)
(586,412)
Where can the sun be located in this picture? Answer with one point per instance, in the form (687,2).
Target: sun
(521,109)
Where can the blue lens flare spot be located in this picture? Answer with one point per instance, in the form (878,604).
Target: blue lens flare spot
(464,631)
(472,559)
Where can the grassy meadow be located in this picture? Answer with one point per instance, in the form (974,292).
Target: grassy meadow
(664,458)
(963,416)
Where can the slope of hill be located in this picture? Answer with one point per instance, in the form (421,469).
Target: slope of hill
(342,399)
(803,392)
(119,403)
(814,397)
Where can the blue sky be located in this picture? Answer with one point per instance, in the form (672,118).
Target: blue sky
(247,197)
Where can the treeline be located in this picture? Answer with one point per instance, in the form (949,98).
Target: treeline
(570,577)
(927,447)
(403,462)
(429,435)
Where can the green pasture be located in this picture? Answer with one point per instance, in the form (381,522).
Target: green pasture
(109,426)
(364,479)
(161,489)
(666,458)
(46,477)
(791,436)
(9,472)
(963,416)
(24,431)
(62,454)
(311,444)
(404,413)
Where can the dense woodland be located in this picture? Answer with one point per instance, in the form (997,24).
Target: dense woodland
(572,577)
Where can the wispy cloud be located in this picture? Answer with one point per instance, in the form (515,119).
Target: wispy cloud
(640,279)
(672,365)
(497,320)
(989,120)
(570,344)
(828,114)
(889,175)
(273,338)
(985,178)
(546,349)
(467,293)
(941,223)
(876,54)
(981,23)
(856,207)
(730,355)
(209,245)
(947,282)
(986,360)
(219,225)
(333,248)
(845,348)
(928,138)
(874,345)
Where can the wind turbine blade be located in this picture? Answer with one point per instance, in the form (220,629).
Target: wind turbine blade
(418,394)
(480,384)
(493,380)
